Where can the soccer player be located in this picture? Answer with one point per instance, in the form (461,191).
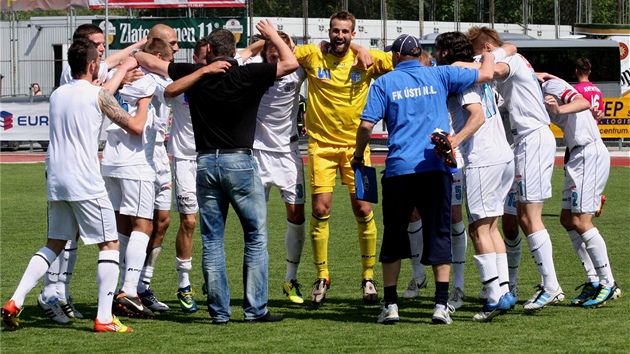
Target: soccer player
(278,155)
(182,148)
(77,199)
(584,86)
(57,280)
(534,153)
(414,176)
(489,173)
(587,169)
(337,91)
(129,171)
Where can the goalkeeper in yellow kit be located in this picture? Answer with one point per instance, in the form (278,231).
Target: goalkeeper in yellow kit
(337,92)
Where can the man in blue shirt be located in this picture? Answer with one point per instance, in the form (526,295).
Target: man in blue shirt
(412,100)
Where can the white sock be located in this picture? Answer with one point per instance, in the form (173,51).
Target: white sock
(67,258)
(293,243)
(487,267)
(147,271)
(107,271)
(542,252)
(50,280)
(417,246)
(184,266)
(580,249)
(134,261)
(513,248)
(36,269)
(503,272)
(123,241)
(458,248)
(596,248)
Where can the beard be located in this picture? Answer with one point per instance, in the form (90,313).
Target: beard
(339,47)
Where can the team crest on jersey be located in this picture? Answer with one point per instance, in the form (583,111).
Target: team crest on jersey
(185,100)
(290,87)
(355,76)
(323,74)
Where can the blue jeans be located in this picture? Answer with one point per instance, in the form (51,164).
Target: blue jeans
(224,179)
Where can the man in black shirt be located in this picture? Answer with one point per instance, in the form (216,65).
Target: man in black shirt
(223,110)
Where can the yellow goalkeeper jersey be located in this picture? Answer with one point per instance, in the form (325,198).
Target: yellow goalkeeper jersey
(337,92)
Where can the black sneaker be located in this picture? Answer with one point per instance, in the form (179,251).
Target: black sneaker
(268,317)
(125,305)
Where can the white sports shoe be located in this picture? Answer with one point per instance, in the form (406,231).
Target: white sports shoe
(53,310)
(68,308)
(389,315)
(441,315)
(541,299)
(456,299)
(414,286)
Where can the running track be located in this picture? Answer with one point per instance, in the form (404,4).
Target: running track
(377,159)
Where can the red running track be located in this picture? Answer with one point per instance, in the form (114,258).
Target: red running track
(377,159)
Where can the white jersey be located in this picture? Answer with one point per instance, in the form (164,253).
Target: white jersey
(276,121)
(131,156)
(488,146)
(66,74)
(181,142)
(72,160)
(523,97)
(579,128)
(162,109)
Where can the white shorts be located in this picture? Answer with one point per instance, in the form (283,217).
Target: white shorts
(163,193)
(285,171)
(185,193)
(131,197)
(94,219)
(586,176)
(534,157)
(486,189)
(459,182)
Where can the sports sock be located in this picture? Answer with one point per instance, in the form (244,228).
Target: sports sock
(580,249)
(441,293)
(184,266)
(36,269)
(147,271)
(513,248)
(596,248)
(487,267)
(319,243)
(50,281)
(367,244)
(417,246)
(294,244)
(107,271)
(503,272)
(67,258)
(542,252)
(123,241)
(134,260)
(391,295)
(458,249)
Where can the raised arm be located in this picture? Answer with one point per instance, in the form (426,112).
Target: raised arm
(363,56)
(474,122)
(487,69)
(181,85)
(132,124)
(117,58)
(152,63)
(253,50)
(114,82)
(286,61)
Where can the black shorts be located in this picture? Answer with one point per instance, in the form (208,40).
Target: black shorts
(430,193)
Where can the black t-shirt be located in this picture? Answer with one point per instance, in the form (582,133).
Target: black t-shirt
(223,107)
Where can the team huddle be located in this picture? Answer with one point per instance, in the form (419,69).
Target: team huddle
(235,135)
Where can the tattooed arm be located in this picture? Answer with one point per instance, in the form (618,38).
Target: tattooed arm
(132,124)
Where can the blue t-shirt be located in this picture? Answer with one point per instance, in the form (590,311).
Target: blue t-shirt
(412,100)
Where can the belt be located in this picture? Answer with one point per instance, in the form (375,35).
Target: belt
(244,151)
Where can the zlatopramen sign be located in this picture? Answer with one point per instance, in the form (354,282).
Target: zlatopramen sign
(123,32)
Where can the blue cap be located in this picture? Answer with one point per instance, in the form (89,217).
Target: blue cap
(405,44)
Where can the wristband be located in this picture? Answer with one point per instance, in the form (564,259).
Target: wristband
(133,52)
